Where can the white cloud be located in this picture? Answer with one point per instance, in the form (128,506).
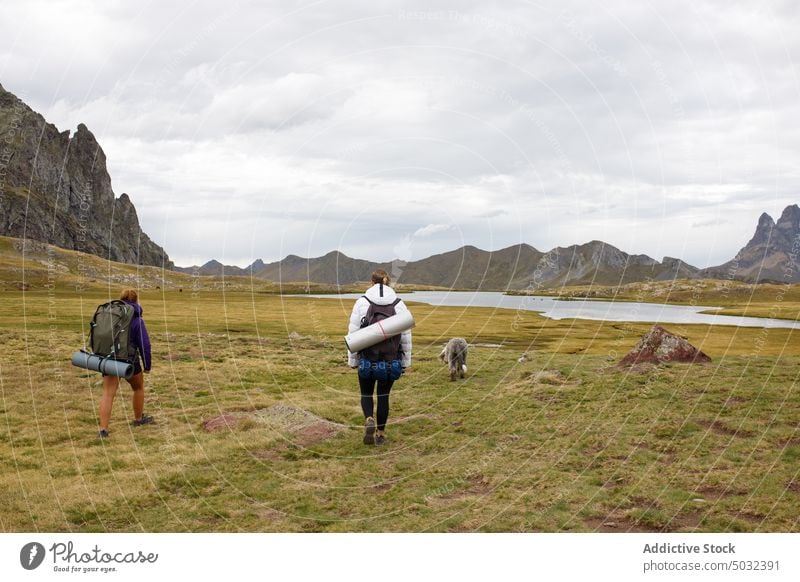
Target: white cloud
(432,229)
(293,129)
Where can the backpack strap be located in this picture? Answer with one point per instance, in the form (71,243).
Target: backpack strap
(87,344)
(395,302)
(364,319)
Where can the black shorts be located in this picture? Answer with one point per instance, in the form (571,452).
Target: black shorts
(137,366)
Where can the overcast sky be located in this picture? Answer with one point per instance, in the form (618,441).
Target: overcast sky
(246,130)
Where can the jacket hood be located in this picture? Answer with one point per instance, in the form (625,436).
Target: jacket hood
(137,309)
(374,294)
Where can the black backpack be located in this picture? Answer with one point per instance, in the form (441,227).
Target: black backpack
(388,349)
(110,330)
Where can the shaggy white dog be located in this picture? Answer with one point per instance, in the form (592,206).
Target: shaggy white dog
(454,355)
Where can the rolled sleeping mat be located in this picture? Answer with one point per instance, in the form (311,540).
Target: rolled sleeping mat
(102,364)
(377,332)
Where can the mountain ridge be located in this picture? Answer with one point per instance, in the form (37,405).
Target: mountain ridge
(516,267)
(770,255)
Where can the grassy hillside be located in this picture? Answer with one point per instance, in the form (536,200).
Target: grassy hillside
(34,266)
(561,442)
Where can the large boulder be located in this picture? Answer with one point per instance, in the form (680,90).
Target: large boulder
(659,345)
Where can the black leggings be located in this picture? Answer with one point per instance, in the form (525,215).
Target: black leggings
(367,389)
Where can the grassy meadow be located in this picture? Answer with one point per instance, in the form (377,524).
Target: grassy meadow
(259,426)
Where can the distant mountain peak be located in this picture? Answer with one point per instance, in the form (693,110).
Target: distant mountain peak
(765,221)
(763,231)
(793,209)
(770,255)
(674,260)
(790,218)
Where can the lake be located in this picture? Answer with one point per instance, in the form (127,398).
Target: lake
(584,308)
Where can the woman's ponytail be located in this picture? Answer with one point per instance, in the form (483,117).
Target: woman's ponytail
(380,277)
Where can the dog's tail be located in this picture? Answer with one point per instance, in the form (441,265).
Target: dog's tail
(464,367)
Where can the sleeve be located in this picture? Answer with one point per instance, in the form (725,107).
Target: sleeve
(355,324)
(144,345)
(405,338)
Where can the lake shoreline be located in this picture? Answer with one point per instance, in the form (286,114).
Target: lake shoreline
(593,309)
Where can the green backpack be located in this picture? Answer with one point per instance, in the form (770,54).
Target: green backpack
(110,330)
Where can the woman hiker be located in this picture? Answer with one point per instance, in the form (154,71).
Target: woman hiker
(381,298)
(140,341)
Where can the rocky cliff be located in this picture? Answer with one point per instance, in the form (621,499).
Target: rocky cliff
(55,188)
(773,254)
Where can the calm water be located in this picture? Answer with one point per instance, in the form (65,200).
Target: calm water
(585,309)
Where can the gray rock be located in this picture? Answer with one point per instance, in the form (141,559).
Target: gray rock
(659,345)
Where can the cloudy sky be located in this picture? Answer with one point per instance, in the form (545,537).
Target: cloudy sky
(247,129)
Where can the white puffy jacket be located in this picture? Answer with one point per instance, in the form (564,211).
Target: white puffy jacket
(360,311)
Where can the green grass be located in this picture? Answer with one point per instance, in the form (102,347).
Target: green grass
(562,442)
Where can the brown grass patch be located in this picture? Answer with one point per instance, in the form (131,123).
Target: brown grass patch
(750,517)
(550,377)
(228,421)
(274,454)
(616,524)
(720,428)
(295,425)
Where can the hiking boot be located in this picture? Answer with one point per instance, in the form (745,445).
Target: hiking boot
(146,419)
(380,439)
(369,432)
(103,434)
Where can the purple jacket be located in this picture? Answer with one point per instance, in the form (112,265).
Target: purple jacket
(139,338)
